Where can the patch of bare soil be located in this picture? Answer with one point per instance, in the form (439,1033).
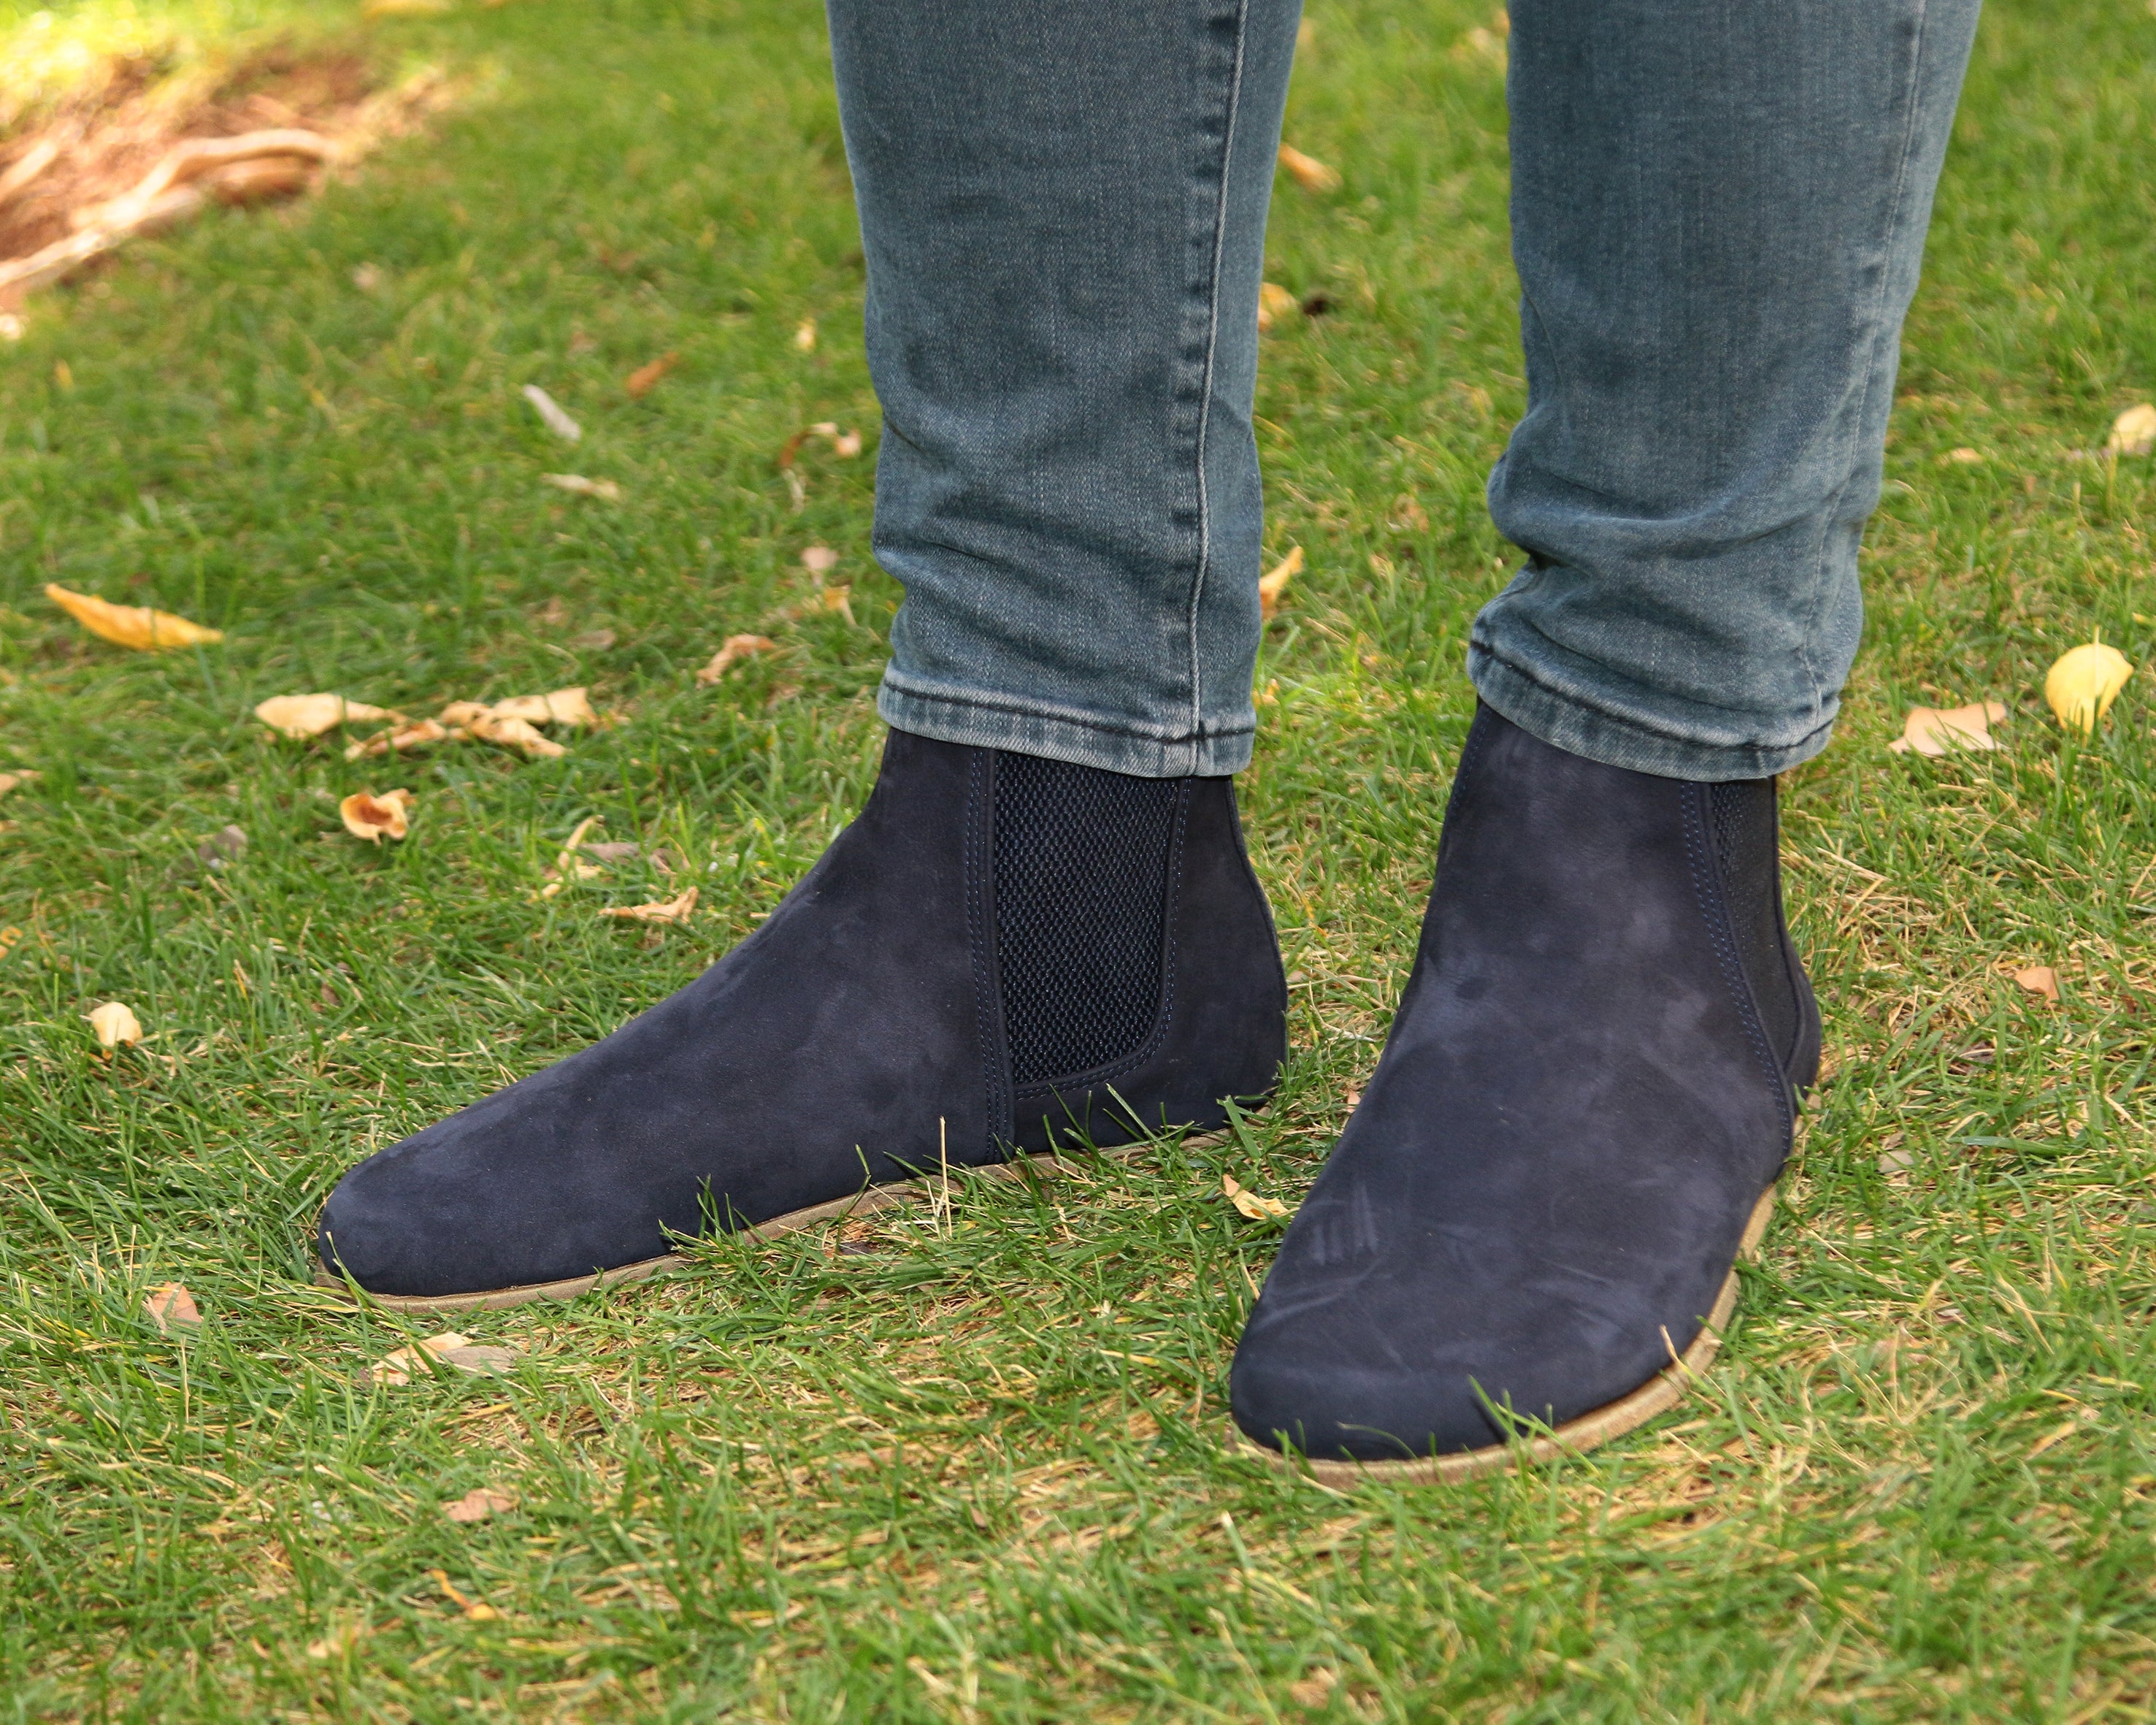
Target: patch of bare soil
(133,153)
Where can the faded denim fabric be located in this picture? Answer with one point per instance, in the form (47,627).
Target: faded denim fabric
(1718,209)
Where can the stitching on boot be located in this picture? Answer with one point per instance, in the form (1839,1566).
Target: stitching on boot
(979,853)
(1699,855)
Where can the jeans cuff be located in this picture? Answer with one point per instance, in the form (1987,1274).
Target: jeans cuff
(1061,734)
(1565,720)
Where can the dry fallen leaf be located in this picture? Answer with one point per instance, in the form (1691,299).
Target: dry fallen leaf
(819,560)
(477,719)
(170,1306)
(2039,979)
(130,626)
(1275,302)
(663,910)
(1312,1691)
(374,818)
(1964,457)
(2056,1435)
(737,647)
(1248,1203)
(645,378)
(1308,172)
(13,781)
(448,1349)
(839,598)
(414,733)
(2083,684)
(477,1610)
(1274,584)
(223,847)
(2133,432)
(804,335)
(570,707)
(339,1641)
(605,490)
(117,1026)
(550,411)
(846,445)
(479,1503)
(1934,730)
(300,717)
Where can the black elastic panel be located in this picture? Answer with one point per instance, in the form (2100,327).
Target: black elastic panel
(1746,841)
(1081,899)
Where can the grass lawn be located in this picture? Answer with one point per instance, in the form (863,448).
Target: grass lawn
(979,1470)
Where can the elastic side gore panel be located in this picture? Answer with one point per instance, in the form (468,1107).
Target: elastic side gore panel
(1081,860)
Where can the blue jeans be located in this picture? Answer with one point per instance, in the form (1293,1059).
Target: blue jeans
(1718,212)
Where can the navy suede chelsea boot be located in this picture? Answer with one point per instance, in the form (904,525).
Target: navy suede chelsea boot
(1001,954)
(1525,1241)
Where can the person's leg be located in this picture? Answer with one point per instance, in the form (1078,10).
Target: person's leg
(1063,207)
(1044,924)
(1718,212)
(1589,1087)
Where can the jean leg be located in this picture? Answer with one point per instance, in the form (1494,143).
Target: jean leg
(1063,207)
(1718,211)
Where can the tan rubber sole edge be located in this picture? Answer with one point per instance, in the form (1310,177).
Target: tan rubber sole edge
(861,1203)
(1657,1395)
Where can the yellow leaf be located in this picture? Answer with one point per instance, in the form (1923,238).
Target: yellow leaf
(1272,585)
(804,335)
(736,648)
(450,1348)
(2058,1433)
(570,707)
(1307,171)
(1275,302)
(375,818)
(478,1610)
(2083,684)
(603,489)
(663,910)
(115,1025)
(479,1503)
(839,598)
(2039,979)
(645,378)
(1248,1203)
(300,717)
(476,719)
(170,1306)
(130,626)
(1934,730)
(406,8)
(2133,432)
(414,733)
(1963,457)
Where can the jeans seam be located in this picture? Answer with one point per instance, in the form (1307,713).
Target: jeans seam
(1565,698)
(1896,208)
(988,703)
(1205,376)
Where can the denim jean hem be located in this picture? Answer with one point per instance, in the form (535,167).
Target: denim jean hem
(1082,739)
(1566,722)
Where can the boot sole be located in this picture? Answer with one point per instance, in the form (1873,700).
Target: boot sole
(1657,1395)
(861,1203)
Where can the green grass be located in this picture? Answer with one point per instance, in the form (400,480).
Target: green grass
(980,1472)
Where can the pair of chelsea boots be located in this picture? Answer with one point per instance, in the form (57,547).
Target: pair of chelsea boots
(1524,1241)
